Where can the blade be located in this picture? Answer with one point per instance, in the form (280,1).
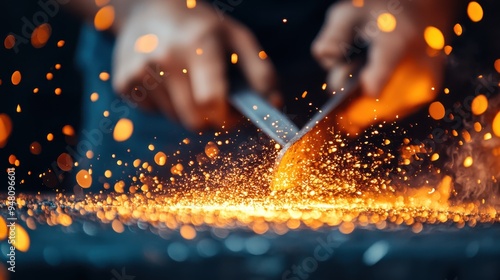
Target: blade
(271,121)
(305,148)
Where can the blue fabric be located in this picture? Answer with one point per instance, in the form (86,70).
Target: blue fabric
(94,56)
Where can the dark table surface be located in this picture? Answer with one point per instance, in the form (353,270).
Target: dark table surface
(88,250)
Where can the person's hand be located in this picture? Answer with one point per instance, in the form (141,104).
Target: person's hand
(402,71)
(191,47)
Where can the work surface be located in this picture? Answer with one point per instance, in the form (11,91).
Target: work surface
(88,250)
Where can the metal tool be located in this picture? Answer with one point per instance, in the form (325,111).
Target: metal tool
(298,145)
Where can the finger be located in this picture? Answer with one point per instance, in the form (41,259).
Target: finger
(334,41)
(338,76)
(383,57)
(208,80)
(180,94)
(259,71)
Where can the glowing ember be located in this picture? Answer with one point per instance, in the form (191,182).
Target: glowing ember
(35,148)
(479,104)
(234,58)
(211,150)
(9,42)
(5,129)
(386,22)
(65,162)
(84,179)
(104,76)
(475,11)
(41,35)
(262,55)
(104,18)
(190,4)
(434,38)
(68,130)
(16,78)
(436,110)
(160,158)
(123,130)
(497,65)
(496,125)
(457,28)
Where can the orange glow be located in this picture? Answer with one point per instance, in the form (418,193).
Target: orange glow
(15,78)
(211,150)
(262,55)
(35,148)
(84,179)
(104,18)
(151,147)
(65,162)
(18,108)
(12,159)
(68,130)
(437,110)
(457,28)
(5,129)
(187,232)
(146,43)
(57,66)
(496,125)
(9,42)
(161,158)
(479,104)
(60,43)
(94,97)
(448,49)
(412,78)
(468,162)
(104,76)
(3,229)
(64,220)
(358,3)
(304,94)
(234,58)
(434,37)
(50,137)
(117,226)
(41,35)
(89,154)
(497,65)
(123,130)
(58,91)
(386,22)
(475,11)
(49,76)
(190,4)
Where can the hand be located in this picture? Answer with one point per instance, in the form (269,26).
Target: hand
(401,73)
(191,47)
